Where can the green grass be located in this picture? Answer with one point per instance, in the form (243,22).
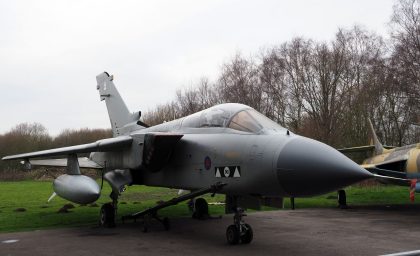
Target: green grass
(38,214)
(358,195)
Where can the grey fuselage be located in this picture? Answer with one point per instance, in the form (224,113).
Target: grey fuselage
(272,162)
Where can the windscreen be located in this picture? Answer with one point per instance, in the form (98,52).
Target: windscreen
(252,121)
(216,116)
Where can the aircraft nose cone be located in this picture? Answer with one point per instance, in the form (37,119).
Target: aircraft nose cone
(307,167)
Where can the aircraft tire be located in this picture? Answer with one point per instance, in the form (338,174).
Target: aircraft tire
(107,215)
(232,235)
(247,237)
(201,209)
(166,223)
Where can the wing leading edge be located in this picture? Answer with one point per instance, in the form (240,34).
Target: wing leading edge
(104,145)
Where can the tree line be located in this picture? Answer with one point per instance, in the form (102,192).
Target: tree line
(28,137)
(324,90)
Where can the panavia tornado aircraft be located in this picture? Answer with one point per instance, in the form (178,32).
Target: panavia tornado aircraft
(228,149)
(396,165)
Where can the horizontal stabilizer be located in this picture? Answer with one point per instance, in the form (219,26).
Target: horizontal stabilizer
(84,162)
(357,149)
(368,148)
(104,145)
(390,178)
(387,173)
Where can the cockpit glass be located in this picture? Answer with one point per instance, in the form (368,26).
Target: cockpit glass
(243,121)
(252,121)
(234,116)
(212,117)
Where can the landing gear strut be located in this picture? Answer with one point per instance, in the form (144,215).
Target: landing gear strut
(239,231)
(341,197)
(109,212)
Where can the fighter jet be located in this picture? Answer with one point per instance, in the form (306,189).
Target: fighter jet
(395,165)
(227,149)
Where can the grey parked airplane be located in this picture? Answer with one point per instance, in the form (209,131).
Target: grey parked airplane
(228,149)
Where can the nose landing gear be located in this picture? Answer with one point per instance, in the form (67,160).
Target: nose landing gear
(239,231)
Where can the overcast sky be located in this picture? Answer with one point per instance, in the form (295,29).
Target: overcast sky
(51,51)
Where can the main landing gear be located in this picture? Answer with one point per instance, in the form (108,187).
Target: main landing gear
(239,232)
(107,215)
(108,212)
(201,209)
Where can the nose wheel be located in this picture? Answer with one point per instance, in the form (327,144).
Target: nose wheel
(239,232)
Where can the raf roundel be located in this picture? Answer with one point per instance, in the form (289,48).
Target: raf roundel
(207,163)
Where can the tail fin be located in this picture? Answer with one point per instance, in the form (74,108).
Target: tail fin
(373,140)
(117,110)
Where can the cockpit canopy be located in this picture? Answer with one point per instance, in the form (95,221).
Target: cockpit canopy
(235,116)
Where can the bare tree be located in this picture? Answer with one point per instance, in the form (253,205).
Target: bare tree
(405,66)
(25,137)
(69,137)
(296,57)
(239,82)
(272,77)
(405,24)
(326,90)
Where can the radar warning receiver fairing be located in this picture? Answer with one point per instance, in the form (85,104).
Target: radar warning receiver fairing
(229,149)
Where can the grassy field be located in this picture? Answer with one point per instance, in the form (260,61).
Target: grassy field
(23,204)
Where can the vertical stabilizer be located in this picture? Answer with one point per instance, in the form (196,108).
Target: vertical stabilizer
(373,140)
(117,110)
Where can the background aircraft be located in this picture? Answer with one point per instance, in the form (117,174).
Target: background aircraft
(397,165)
(229,148)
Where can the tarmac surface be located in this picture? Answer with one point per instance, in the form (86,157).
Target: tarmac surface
(371,230)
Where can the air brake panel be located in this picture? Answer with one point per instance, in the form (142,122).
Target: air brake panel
(158,149)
